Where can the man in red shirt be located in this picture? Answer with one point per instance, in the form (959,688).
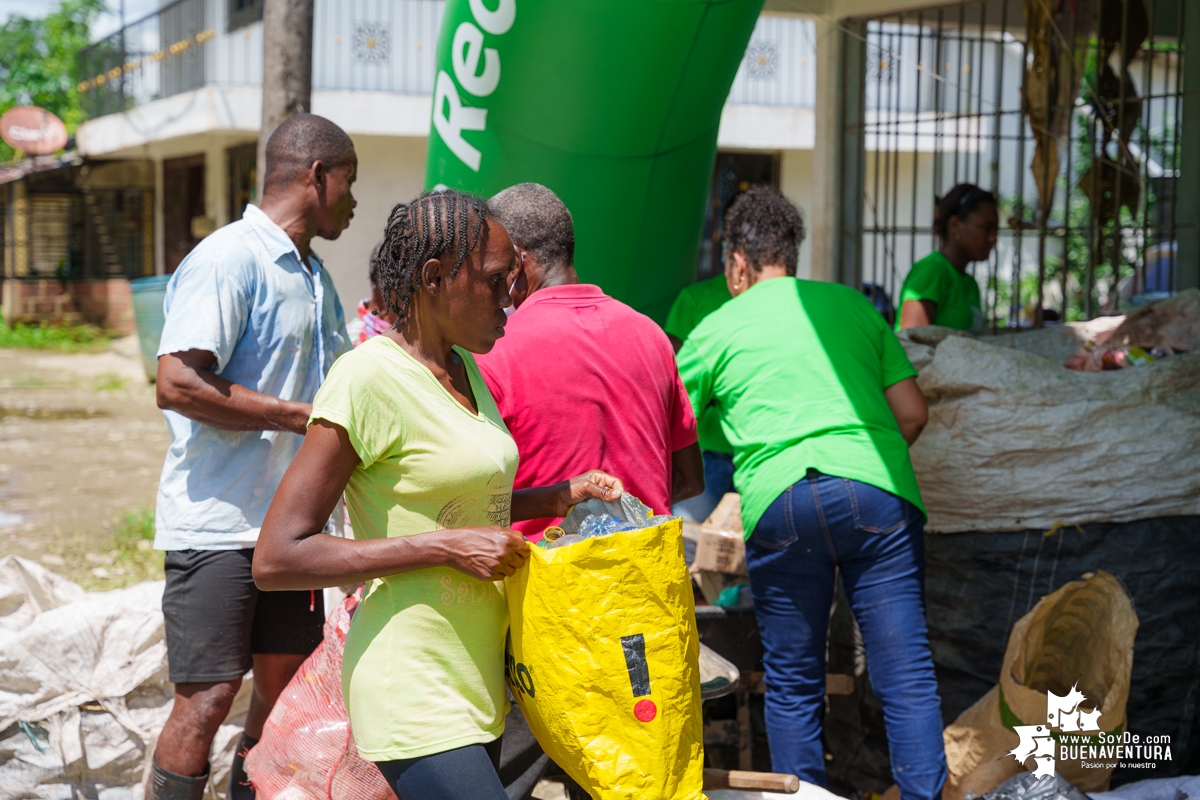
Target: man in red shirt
(582,380)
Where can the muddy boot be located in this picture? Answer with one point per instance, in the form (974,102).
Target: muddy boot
(169,786)
(239,784)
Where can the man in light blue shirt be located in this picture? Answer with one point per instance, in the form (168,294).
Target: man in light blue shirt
(253,324)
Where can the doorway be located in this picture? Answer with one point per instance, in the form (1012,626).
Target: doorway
(243,181)
(733,174)
(183,201)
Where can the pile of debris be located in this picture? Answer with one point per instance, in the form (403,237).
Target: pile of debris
(1015,441)
(84,689)
(1154,332)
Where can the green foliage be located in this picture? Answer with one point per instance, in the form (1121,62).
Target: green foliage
(63,338)
(39,62)
(1077,242)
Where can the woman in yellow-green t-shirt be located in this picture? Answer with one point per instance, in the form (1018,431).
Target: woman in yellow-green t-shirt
(406,428)
(938,290)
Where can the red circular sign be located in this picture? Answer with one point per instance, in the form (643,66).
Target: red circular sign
(33,130)
(645,710)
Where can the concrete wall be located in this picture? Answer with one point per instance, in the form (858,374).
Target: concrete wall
(796,182)
(390,170)
(106,303)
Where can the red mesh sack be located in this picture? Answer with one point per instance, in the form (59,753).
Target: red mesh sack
(307,751)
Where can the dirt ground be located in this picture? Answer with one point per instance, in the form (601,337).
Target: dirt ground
(81,448)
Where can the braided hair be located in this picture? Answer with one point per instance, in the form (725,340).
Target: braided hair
(961,201)
(431,226)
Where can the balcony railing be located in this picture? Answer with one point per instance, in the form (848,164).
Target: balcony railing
(183,46)
(386,46)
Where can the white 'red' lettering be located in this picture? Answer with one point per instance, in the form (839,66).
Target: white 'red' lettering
(464,55)
(451,118)
(496,22)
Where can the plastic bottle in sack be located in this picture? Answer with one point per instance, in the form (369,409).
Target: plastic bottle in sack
(599,525)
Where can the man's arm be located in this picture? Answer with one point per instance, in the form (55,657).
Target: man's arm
(908,407)
(687,472)
(186,384)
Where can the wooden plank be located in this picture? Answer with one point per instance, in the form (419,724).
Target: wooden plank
(744,779)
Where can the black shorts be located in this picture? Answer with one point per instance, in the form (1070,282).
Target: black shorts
(217,619)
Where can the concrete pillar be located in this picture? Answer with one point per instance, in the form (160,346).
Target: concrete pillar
(147,234)
(20,228)
(160,239)
(823,216)
(838,151)
(16,250)
(6,266)
(216,183)
(1187,198)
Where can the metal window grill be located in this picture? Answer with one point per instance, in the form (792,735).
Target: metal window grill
(1069,112)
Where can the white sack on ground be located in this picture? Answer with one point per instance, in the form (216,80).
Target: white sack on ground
(84,689)
(27,589)
(1016,441)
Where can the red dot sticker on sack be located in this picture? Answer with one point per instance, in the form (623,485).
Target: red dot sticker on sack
(645,710)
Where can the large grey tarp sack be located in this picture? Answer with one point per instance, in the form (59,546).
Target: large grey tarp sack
(1184,787)
(84,689)
(1017,441)
(1027,786)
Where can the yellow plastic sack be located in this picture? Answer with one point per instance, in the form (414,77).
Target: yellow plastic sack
(603,659)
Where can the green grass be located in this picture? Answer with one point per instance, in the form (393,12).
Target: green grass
(134,558)
(32,383)
(134,536)
(111,383)
(63,338)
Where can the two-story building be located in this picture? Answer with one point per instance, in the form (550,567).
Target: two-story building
(861,111)
(192,108)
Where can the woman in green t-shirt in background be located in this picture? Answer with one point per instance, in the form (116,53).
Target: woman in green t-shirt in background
(406,428)
(938,290)
(819,402)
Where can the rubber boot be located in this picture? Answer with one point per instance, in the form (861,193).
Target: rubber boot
(239,783)
(169,786)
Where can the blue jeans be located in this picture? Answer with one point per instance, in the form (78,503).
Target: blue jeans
(822,525)
(718,481)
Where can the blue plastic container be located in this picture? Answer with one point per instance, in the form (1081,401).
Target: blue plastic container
(148,296)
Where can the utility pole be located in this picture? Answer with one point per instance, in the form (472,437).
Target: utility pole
(124,60)
(287,70)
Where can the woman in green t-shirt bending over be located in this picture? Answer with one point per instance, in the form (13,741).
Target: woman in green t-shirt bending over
(406,428)
(938,290)
(815,394)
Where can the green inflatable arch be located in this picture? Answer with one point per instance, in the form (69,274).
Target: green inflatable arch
(614,104)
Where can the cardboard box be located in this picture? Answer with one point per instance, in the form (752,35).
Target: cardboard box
(719,543)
